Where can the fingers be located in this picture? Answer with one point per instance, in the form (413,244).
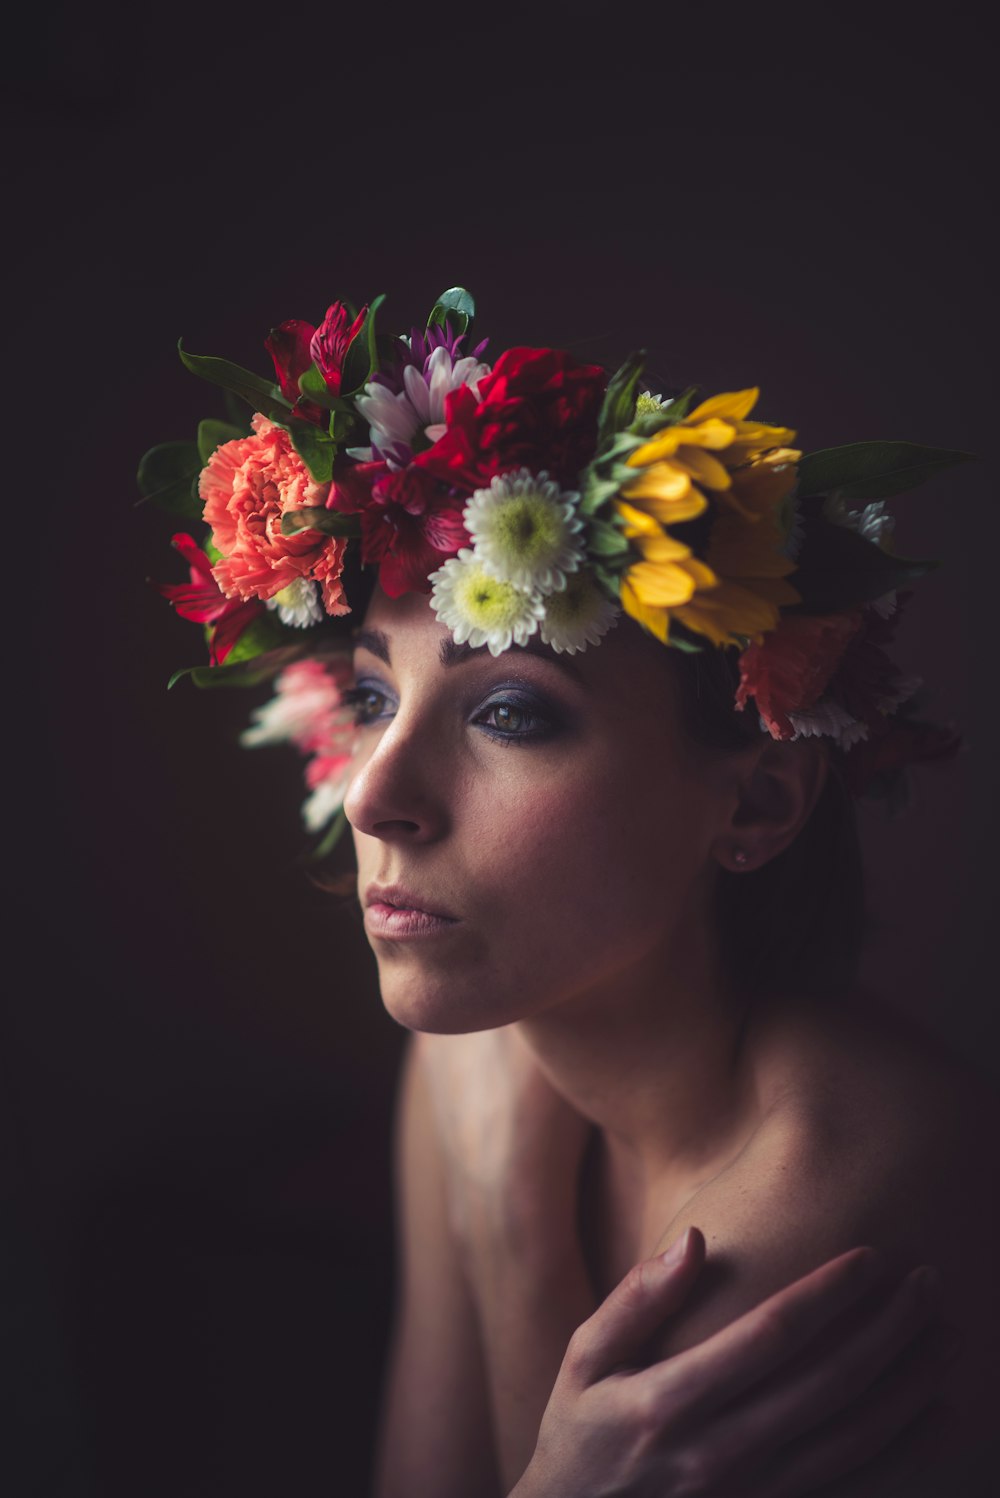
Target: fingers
(800,1397)
(635,1309)
(893,1429)
(743,1353)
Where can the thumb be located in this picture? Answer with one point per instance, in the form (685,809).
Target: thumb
(620,1327)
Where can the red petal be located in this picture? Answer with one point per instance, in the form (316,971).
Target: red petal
(288,346)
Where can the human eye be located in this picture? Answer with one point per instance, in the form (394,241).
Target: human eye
(514,720)
(368,701)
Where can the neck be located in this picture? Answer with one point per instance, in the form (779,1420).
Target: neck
(658,1057)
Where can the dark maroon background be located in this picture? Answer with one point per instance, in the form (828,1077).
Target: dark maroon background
(199,1068)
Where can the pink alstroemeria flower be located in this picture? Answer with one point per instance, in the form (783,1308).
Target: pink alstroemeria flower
(203,601)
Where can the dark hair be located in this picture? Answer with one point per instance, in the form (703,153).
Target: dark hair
(796,924)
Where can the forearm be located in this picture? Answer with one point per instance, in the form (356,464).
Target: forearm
(529,1303)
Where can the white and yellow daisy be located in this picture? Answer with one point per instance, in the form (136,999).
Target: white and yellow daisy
(577,616)
(298,604)
(525,530)
(481,608)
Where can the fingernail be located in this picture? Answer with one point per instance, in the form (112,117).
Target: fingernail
(675,1253)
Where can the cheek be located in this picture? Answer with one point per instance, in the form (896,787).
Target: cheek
(584,868)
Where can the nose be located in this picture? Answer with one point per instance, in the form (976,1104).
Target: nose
(397,793)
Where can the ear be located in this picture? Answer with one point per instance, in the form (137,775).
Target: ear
(775,793)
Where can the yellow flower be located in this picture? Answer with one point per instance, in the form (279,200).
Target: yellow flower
(736,592)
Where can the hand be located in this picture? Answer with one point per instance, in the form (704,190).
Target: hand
(752,1411)
(513,1145)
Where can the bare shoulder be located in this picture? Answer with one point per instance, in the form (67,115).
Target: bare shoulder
(878,1135)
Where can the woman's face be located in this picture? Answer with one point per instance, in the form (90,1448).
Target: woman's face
(529,828)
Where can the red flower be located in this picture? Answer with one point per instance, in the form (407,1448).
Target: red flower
(410,529)
(866,683)
(204,601)
(537,408)
(793,665)
(295,345)
(903,742)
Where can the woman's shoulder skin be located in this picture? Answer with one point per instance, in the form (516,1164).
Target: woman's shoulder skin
(874,1133)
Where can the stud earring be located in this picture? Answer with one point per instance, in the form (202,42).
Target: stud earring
(740,857)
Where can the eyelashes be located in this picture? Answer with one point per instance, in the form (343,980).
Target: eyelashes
(507,719)
(360,699)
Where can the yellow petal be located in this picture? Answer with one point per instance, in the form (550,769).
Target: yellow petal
(727,612)
(662,548)
(731,407)
(661,585)
(669,511)
(703,467)
(711,433)
(637,521)
(753,437)
(759,487)
(659,481)
(663,445)
(657,621)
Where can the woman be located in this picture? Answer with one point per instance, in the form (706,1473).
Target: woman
(542,921)
(626,949)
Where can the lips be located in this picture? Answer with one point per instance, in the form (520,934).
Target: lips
(397,915)
(395,896)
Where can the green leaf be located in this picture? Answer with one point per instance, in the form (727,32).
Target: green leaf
(609,581)
(257,392)
(598,492)
(606,540)
(456,307)
(315,447)
(838,569)
(316,518)
(237,413)
(618,409)
(212,434)
(168,477)
(314,387)
(244,673)
(873,470)
(361,360)
(681,642)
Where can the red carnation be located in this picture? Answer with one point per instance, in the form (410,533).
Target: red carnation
(538,408)
(903,742)
(792,666)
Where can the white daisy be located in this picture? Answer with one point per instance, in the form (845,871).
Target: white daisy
(578,615)
(872,521)
(481,608)
(298,604)
(829,719)
(525,529)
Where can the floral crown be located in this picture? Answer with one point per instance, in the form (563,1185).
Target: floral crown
(534,495)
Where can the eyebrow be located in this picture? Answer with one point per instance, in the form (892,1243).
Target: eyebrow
(372,640)
(452,654)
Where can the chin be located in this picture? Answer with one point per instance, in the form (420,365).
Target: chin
(443,1006)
